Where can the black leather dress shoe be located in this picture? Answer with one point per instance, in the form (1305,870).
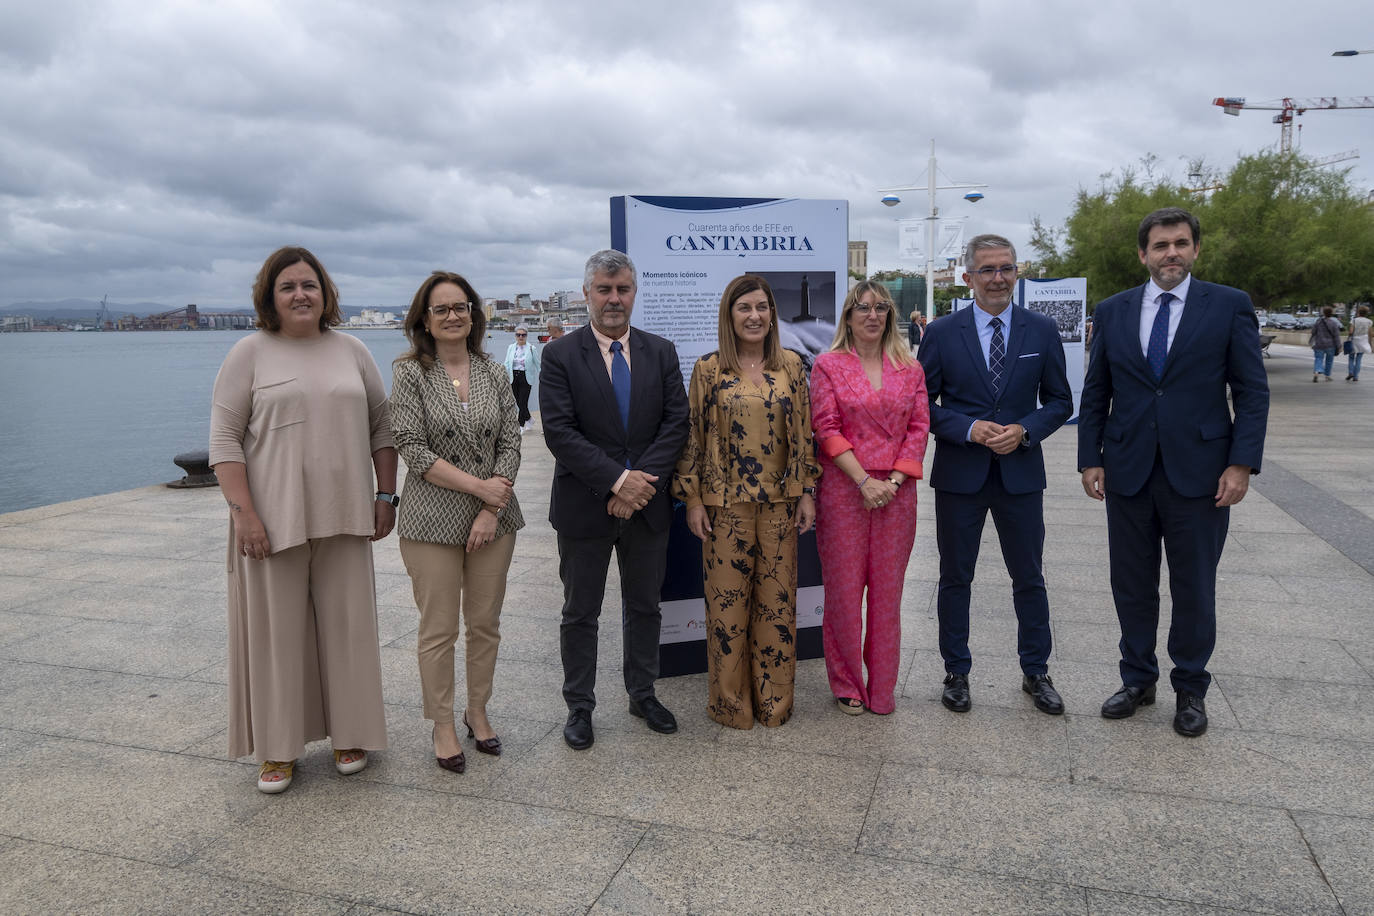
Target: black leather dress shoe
(654,715)
(956,695)
(1191,718)
(1124,702)
(578,731)
(1042,691)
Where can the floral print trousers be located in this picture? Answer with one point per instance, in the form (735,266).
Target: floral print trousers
(750,561)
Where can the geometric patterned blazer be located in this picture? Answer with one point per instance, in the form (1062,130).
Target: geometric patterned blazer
(483,439)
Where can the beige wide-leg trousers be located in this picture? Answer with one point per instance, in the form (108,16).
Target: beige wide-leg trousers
(303,657)
(448,583)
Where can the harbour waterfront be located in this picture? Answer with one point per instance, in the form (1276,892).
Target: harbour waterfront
(84,414)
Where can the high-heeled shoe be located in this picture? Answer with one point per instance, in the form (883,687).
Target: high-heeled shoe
(455,764)
(490,746)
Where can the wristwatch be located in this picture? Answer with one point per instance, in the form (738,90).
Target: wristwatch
(808,491)
(391,498)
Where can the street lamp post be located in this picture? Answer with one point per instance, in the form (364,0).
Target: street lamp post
(891,199)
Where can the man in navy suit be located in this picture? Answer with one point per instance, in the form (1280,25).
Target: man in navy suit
(614,414)
(997,385)
(1158,442)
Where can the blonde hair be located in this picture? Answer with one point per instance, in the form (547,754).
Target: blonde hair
(725,328)
(891,343)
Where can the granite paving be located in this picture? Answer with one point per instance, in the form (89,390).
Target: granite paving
(116,794)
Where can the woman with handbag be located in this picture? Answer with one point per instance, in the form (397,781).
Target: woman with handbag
(1324,340)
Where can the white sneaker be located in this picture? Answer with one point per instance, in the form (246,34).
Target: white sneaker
(529,425)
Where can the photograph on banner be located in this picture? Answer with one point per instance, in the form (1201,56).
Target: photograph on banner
(911,239)
(687,250)
(1066,302)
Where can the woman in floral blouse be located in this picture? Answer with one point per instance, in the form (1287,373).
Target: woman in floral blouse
(748,475)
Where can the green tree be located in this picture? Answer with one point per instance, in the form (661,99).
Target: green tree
(1098,239)
(1286,232)
(1275,227)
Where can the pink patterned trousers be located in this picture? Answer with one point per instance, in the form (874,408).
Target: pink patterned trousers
(861,549)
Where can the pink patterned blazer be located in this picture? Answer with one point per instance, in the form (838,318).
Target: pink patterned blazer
(887,429)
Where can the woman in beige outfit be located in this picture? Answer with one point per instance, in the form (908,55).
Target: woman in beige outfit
(299,428)
(456,426)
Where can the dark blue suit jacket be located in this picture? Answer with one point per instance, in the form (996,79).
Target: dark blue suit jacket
(591,445)
(1126,415)
(1035,393)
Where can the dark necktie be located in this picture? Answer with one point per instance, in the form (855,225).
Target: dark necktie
(1159,336)
(997,354)
(620,381)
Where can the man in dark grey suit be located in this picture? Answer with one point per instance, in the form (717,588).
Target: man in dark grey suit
(614,414)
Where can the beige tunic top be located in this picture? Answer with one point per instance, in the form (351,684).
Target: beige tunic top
(304,417)
(481,437)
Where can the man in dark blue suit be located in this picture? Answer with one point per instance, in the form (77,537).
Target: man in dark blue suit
(997,385)
(1158,442)
(614,414)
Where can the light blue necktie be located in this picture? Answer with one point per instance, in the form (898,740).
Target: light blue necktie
(1159,336)
(620,381)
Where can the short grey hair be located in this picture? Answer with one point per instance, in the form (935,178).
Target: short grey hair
(609,262)
(985,241)
(555,321)
(521,327)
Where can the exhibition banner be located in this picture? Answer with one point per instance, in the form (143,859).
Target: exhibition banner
(687,249)
(1065,301)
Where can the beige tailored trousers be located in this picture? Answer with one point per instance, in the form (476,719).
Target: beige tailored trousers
(449,583)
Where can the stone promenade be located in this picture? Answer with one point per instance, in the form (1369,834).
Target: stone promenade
(115,794)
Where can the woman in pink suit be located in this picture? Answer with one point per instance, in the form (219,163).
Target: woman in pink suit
(870,416)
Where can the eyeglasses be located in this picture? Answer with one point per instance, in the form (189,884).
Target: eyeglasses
(879,309)
(457,308)
(987,273)
(519,334)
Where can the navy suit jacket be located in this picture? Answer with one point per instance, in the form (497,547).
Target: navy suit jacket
(1035,393)
(1127,415)
(591,445)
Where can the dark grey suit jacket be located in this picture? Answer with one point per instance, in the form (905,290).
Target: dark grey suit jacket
(590,444)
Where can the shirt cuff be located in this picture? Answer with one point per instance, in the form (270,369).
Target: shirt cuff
(615,487)
(911,469)
(834,446)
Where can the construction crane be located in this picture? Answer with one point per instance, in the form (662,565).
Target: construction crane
(1288,109)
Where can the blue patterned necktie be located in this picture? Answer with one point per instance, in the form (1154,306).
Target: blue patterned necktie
(1159,336)
(997,354)
(620,381)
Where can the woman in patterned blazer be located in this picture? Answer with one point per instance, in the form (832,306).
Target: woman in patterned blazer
(747,475)
(454,420)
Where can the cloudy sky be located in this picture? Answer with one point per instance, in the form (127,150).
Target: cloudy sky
(157,151)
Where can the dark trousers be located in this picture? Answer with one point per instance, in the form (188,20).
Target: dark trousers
(642,556)
(1193,532)
(521,386)
(1020,521)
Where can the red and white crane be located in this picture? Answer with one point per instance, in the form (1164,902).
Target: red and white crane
(1288,109)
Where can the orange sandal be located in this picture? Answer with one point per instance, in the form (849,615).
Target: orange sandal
(275,776)
(350,761)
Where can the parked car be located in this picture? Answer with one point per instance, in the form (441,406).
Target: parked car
(1306,322)
(1283,322)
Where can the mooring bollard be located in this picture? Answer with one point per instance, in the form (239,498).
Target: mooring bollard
(198,471)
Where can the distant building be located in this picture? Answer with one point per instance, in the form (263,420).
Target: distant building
(858,258)
(11,323)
